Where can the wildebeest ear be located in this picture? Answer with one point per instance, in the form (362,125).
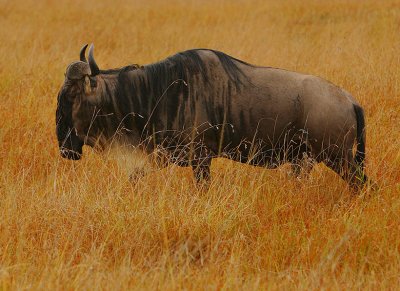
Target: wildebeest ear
(87,86)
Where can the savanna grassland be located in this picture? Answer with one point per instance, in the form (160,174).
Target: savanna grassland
(84,225)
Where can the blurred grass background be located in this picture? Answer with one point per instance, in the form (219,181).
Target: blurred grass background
(83,225)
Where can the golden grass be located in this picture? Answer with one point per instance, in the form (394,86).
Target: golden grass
(82,225)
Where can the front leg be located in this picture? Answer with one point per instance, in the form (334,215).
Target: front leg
(202,172)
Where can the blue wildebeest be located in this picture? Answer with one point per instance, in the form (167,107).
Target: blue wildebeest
(201,104)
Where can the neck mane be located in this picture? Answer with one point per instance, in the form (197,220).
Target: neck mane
(147,97)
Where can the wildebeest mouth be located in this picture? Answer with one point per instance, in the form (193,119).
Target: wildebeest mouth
(70,154)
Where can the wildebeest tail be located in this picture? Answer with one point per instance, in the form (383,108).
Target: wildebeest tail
(360,152)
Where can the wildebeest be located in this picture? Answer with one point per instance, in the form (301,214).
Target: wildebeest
(201,104)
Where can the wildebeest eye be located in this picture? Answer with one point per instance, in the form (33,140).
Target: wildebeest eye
(71,90)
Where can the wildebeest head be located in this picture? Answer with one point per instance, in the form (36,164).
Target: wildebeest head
(76,104)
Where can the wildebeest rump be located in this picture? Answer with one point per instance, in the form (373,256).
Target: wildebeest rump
(201,104)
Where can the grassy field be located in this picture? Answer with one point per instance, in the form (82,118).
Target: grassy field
(83,225)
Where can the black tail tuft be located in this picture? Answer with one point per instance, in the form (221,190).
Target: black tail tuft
(360,153)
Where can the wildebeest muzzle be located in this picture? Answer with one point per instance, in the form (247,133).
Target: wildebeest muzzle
(70,154)
(71,147)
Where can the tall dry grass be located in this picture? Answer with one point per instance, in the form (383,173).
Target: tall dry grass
(83,225)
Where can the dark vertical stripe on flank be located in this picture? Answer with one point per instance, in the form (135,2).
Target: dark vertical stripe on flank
(161,93)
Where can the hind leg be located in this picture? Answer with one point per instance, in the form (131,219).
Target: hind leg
(347,168)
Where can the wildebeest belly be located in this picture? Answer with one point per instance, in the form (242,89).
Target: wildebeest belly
(266,146)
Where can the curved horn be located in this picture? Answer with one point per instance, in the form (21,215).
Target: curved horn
(92,63)
(82,54)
